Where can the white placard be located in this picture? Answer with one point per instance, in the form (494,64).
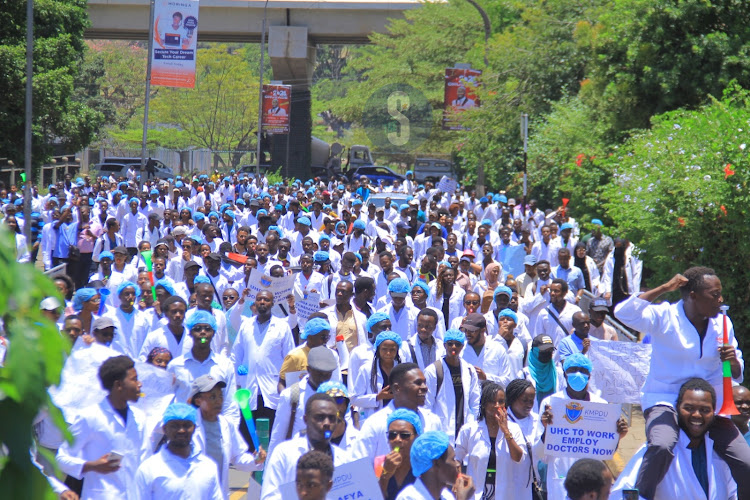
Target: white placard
(620,369)
(353,481)
(280,287)
(582,429)
(306,307)
(447,185)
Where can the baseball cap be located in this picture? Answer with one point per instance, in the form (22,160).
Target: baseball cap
(213,256)
(543,342)
(50,304)
(204,383)
(529,260)
(599,305)
(321,358)
(473,322)
(191,263)
(102,322)
(121,250)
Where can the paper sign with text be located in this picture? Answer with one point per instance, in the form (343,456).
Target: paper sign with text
(352,481)
(447,185)
(582,429)
(280,287)
(306,307)
(620,369)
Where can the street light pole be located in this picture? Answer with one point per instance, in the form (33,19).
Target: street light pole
(525,136)
(28,117)
(148,95)
(260,90)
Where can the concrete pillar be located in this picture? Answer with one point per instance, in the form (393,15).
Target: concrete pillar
(293,60)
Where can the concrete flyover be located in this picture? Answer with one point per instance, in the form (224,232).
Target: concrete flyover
(327,21)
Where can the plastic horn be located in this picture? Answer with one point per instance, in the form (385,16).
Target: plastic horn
(150,269)
(103,293)
(242,396)
(565,202)
(728,407)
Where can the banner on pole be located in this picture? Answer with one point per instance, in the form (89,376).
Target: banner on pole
(175,33)
(460,94)
(620,369)
(582,429)
(276,107)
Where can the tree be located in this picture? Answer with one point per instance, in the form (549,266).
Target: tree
(32,364)
(221,112)
(58,54)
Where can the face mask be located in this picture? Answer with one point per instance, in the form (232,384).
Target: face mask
(577,381)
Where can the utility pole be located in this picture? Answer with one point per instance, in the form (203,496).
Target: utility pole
(28,117)
(260,89)
(525,136)
(148,95)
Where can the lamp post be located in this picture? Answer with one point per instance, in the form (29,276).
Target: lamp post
(260,90)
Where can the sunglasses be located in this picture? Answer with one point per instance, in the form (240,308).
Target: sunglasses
(202,328)
(471,302)
(403,435)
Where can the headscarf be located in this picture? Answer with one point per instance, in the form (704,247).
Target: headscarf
(156,351)
(544,374)
(487,271)
(580,263)
(428,447)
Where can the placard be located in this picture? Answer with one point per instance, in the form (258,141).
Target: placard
(306,307)
(620,369)
(447,185)
(280,287)
(582,429)
(355,480)
(460,94)
(276,108)
(174,51)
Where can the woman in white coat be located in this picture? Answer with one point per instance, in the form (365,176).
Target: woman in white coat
(489,445)
(587,265)
(372,388)
(446,296)
(518,478)
(216,436)
(452,386)
(621,276)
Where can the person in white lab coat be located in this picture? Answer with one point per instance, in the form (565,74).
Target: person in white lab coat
(403,315)
(453,386)
(488,357)
(314,477)
(446,296)
(179,469)
(695,450)
(488,445)
(110,439)
(372,388)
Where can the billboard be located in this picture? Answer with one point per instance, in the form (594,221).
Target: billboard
(276,108)
(175,33)
(461,86)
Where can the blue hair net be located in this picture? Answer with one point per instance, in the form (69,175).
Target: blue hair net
(201,279)
(455,335)
(180,411)
(277,229)
(126,284)
(198,216)
(428,447)
(314,327)
(421,217)
(321,256)
(134,199)
(486,222)
(262,211)
(387,335)
(423,286)
(166,285)
(54,198)
(356,203)
(508,313)
(578,360)
(446,264)
(502,289)
(154,191)
(404,206)
(213,214)
(201,317)
(81,296)
(106,255)
(406,415)
(359,224)
(230,213)
(359,256)
(341,187)
(304,221)
(376,318)
(399,285)
(409,172)
(324,236)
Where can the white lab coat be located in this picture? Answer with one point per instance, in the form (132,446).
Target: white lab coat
(456,301)
(284,413)
(418,491)
(443,402)
(633,268)
(405,351)
(546,324)
(406,323)
(165,476)
(100,430)
(492,359)
(473,450)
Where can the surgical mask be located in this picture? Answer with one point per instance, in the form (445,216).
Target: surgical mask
(577,381)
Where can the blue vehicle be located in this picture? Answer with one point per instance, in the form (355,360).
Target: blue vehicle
(375,174)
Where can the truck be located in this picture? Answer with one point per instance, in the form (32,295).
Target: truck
(432,169)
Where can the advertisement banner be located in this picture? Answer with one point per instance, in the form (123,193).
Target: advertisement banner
(620,369)
(582,429)
(277,101)
(460,94)
(175,36)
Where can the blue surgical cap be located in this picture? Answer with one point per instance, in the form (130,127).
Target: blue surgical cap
(565,226)
(201,317)
(240,202)
(409,172)
(180,411)
(483,199)
(201,279)
(502,198)
(387,335)
(428,447)
(598,222)
(229,213)
(399,285)
(304,221)
(502,289)
(421,217)
(406,415)
(262,211)
(321,256)
(277,229)
(333,386)
(224,207)
(213,214)
(454,334)
(486,222)
(404,206)
(166,285)
(356,203)
(126,284)
(154,191)
(106,255)
(341,187)
(423,286)
(314,327)
(81,296)
(508,313)
(578,360)
(359,224)
(198,216)
(324,236)
(496,198)
(376,318)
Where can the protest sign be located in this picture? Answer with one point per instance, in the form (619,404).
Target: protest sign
(280,287)
(582,429)
(447,185)
(355,480)
(512,259)
(306,307)
(175,33)
(620,369)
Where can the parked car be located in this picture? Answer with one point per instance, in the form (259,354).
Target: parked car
(118,167)
(375,174)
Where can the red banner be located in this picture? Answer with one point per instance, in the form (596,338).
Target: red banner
(276,108)
(460,94)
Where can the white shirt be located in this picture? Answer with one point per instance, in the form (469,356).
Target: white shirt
(492,359)
(418,491)
(165,476)
(163,337)
(263,356)
(130,332)
(281,467)
(443,402)
(677,354)
(100,430)
(284,413)
(546,324)
(403,322)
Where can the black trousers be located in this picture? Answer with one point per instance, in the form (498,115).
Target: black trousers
(261,412)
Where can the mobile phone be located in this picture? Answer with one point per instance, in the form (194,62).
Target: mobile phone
(630,495)
(114,457)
